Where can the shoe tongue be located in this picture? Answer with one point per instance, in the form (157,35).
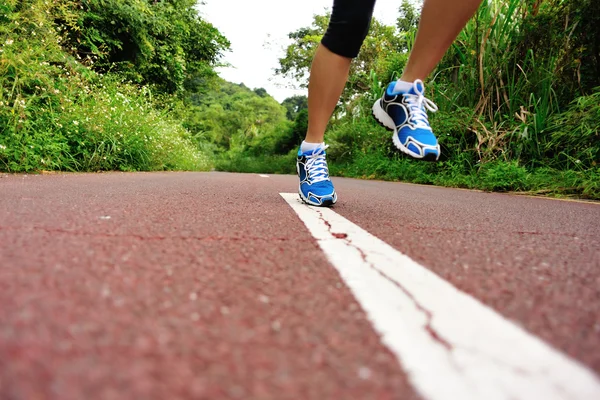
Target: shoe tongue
(318,150)
(419,86)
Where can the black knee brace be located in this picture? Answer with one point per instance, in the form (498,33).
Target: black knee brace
(348,27)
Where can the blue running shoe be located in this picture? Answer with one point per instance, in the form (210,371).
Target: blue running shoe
(406,115)
(315,188)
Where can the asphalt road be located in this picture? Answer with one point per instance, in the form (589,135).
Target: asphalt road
(208,285)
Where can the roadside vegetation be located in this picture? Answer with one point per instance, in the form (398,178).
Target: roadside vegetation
(91,85)
(518,93)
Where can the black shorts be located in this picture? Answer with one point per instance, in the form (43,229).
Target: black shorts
(348,27)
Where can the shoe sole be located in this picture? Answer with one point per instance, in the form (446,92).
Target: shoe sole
(387,122)
(326,203)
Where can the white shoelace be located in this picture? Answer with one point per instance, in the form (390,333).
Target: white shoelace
(316,166)
(418,104)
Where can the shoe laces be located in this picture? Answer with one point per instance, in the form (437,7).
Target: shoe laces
(418,106)
(316,165)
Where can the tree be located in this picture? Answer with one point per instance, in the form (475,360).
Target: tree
(299,54)
(381,42)
(261,92)
(294,105)
(160,42)
(409,18)
(299,129)
(234,111)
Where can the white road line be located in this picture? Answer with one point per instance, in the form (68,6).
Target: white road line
(263,176)
(450,345)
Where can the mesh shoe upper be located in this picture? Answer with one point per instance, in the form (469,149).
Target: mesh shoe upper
(409,112)
(315,186)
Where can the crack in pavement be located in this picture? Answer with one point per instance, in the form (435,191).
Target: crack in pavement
(154,238)
(428,314)
(429,317)
(533,233)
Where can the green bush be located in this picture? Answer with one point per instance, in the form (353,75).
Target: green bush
(160,43)
(56,114)
(502,176)
(575,134)
(266,164)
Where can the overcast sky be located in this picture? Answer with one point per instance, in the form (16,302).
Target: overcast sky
(257,30)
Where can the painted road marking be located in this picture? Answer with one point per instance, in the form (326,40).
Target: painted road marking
(450,345)
(263,176)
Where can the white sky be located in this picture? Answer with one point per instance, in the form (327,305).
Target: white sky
(258,29)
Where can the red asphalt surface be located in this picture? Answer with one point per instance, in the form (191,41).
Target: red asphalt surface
(208,286)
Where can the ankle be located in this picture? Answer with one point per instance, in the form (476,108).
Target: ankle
(309,146)
(409,76)
(402,86)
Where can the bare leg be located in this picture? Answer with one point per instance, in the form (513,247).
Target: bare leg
(441,21)
(328,76)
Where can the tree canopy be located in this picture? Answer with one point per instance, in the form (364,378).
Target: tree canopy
(161,42)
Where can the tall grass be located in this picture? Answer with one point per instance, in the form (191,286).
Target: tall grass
(510,86)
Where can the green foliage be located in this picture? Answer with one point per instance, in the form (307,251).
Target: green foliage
(502,176)
(298,131)
(261,92)
(507,119)
(569,31)
(517,65)
(251,131)
(119,129)
(294,105)
(160,42)
(575,134)
(408,20)
(57,114)
(300,53)
(263,164)
(234,117)
(107,84)
(359,136)
(379,161)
